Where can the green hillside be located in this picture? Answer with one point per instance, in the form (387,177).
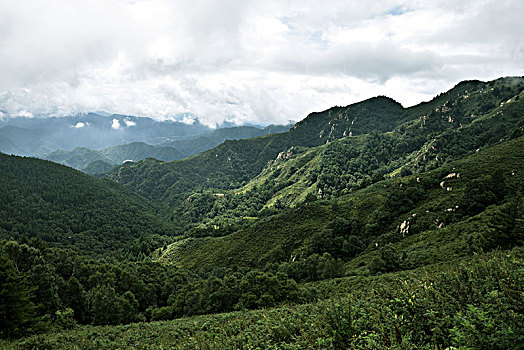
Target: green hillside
(66,208)
(369,226)
(234,163)
(300,174)
(378,114)
(420,285)
(369,216)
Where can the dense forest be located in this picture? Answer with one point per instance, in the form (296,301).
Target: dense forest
(367,226)
(52,203)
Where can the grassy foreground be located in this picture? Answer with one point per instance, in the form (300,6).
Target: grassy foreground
(475,304)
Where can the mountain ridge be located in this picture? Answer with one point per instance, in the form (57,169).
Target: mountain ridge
(406,234)
(81,157)
(233,163)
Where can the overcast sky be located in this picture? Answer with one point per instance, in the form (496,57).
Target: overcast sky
(246,61)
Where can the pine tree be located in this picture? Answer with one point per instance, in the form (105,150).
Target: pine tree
(17,312)
(506,226)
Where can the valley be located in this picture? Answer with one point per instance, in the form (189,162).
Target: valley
(366,226)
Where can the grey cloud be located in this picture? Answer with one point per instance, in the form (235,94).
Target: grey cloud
(376,61)
(48,41)
(487,22)
(160,58)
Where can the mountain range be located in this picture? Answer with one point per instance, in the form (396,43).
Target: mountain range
(94,162)
(38,136)
(365,226)
(108,140)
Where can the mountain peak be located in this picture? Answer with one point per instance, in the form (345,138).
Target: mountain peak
(381,99)
(379,113)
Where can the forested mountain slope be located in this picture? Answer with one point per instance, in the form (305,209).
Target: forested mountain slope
(351,163)
(234,163)
(418,210)
(406,234)
(67,208)
(428,236)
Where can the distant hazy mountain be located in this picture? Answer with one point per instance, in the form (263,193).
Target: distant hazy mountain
(100,161)
(39,136)
(215,138)
(97,161)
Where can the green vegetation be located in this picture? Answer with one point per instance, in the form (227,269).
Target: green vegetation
(234,163)
(64,288)
(474,304)
(66,208)
(369,226)
(279,167)
(372,215)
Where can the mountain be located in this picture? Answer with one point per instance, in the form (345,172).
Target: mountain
(15,139)
(416,210)
(69,209)
(81,158)
(216,137)
(380,114)
(39,136)
(235,162)
(406,234)
(408,134)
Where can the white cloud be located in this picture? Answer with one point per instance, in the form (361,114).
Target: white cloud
(79,125)
(129,122)
(188,120)
(115,124)
(258,61)
(24,113)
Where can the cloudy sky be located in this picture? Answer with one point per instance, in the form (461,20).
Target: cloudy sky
(246,61)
